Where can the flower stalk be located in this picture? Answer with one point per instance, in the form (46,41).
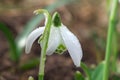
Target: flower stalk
(112,25)
(44,42)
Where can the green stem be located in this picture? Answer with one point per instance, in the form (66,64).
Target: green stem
(112,25)
(44,42)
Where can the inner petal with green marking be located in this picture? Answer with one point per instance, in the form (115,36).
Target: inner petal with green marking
(60,49)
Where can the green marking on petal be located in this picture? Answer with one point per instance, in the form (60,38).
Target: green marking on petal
(56,20)
(60,49)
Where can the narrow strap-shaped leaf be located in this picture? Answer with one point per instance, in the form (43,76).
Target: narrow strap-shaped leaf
(86,71)
(9,36)
(112,25)
(97,73)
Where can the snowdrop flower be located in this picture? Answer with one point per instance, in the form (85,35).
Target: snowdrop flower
(60,39)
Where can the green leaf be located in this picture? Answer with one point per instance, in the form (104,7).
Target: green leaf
(79,76)
(13,48)
(97,74)
(86,71)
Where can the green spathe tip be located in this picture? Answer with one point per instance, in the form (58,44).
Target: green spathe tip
(56,19)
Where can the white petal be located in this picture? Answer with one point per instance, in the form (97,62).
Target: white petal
(54,40)
(32,37)
(72,44)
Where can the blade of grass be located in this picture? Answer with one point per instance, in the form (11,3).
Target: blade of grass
(112,25)
(9,36)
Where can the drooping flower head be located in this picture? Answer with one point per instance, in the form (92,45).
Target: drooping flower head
(60,40)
